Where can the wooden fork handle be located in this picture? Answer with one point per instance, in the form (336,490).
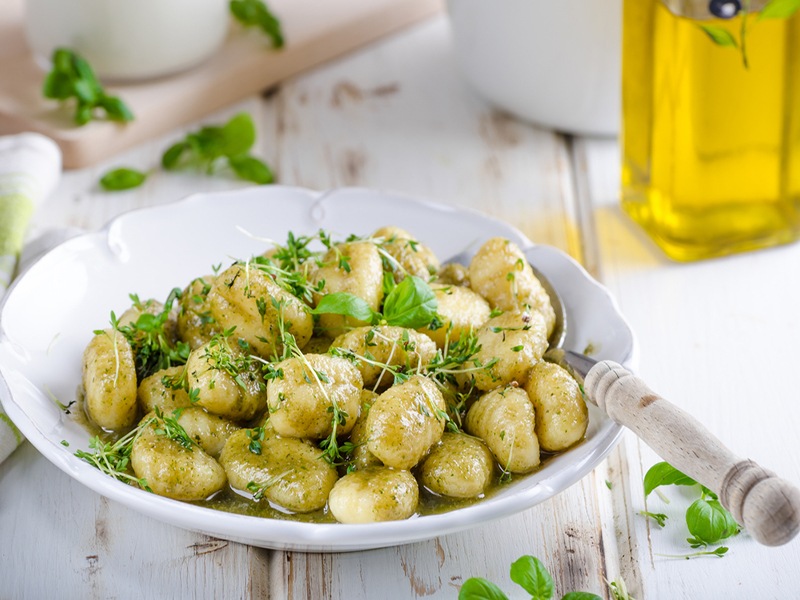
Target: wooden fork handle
(766,505)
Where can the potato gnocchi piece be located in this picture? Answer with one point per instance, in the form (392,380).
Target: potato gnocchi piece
(196,325)
(355,268)
(289,472)
(460,310)
(405,421)
(516,341)
(504,418)
(109,381)
(227,382)
(301,401)
(459,466)
(454,274)
(361,457)
(561,413)
(500,273)
(172,470)
(249,300)
(373,495)
(317,345)
(386,344)
(413,257)
(210,432)
(153,393)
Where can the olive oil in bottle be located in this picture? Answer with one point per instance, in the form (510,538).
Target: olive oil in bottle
(711,124)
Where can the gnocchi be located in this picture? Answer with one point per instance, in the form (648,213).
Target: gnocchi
(308,391)
(410,384)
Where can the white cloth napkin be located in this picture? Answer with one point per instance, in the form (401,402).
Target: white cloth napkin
(30,167)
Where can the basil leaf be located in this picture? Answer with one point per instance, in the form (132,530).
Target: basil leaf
(62,60)
(664,473)
(208,142)
(531,574)
(238,135)
(72,76)
(580,596)
(57,86)
(477,588)
(122,179)
(410,304)
(779,9)
(83,114)
(709,522)
(116,109)
(255,13)
(719,35)
(250,168)
(344,303)
(388,283)
(173,155)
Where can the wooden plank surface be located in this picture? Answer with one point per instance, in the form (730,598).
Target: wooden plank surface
(717,338)
(397,116)
(315,33)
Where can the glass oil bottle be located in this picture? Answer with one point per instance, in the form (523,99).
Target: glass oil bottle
(711,123)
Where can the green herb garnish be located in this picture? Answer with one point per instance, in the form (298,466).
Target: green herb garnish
(254,13)
(529,573)
(72,77)
(152,347)
(213,146)
(411,304)
(707,520)
(169,427)
(122,179)
(114,458)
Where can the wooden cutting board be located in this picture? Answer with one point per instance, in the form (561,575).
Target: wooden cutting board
(315,32)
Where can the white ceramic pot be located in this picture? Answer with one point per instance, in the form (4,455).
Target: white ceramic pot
(129,39)
(553,62)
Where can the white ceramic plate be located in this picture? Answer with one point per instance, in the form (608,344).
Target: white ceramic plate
(47,319)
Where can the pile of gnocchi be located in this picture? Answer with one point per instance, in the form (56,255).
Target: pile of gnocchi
(339,378)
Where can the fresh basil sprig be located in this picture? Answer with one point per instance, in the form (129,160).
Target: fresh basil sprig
(211,146)
(254,13)
(73,77)
(529,573)
(207,149)
(411,304)
(707,520)
(664,473)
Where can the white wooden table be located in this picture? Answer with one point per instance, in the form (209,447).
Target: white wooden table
(718,338)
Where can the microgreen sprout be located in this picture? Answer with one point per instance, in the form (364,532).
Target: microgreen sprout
(113,458)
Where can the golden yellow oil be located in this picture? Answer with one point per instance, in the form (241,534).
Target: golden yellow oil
(711,146)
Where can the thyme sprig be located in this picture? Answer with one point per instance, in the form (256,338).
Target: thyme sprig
(259,489)
(113,458)
(152,348)
(222,356)
(168,426)
(332,452)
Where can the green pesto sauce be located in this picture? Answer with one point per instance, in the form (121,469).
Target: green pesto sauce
(429,503)
(230,501)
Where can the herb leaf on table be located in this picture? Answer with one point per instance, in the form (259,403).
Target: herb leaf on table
(122,178)
(214,145)
(255,13)
(707,520)
(529,573)
(72,77)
